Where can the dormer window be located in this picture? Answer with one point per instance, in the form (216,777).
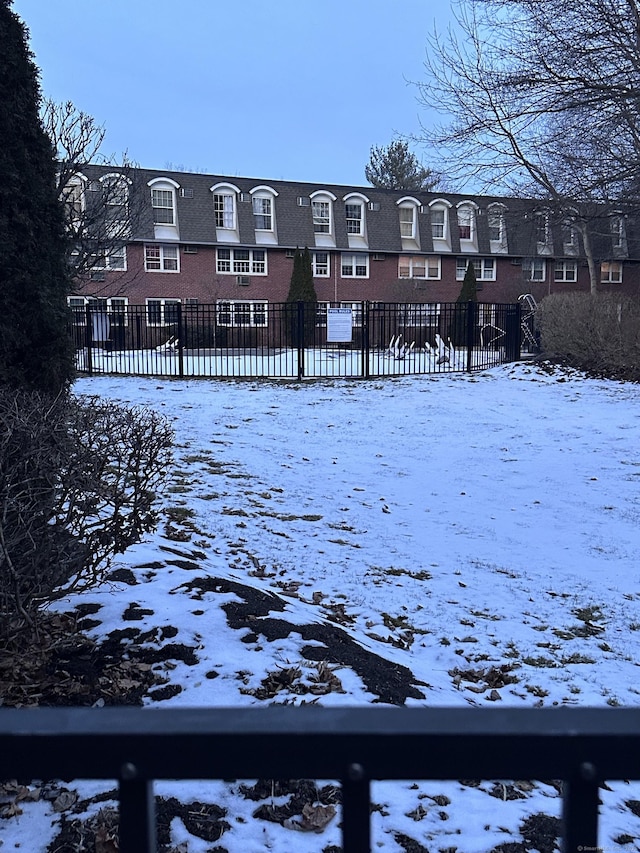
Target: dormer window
(617,231)
(73,196)
(224,210)
(497,227)
(115,196)
(163,204)
(407,221)
(264,214)
(163,207)
(467,233)
(465,220)
(438,223)
(353,213)
(542,228)
(321,217)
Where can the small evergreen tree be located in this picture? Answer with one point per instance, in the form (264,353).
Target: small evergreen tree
(302,289)
(35,347)
(394,167)
(468,291)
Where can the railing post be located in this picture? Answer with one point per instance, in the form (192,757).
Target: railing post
(366,343)
(89,339)
(137,812)
(180,337)
(471,333)
(356,808)
(580,811)
(300,339)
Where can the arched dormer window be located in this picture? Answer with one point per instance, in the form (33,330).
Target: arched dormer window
(115,198)
(496,222)
(408,208)
(163,204)
(467,231)
(74,197)
(355,205)
(440,230)
(225,211)
(618,234)
(264,213)
(322,212)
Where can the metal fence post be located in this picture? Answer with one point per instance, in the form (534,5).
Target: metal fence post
(89,339)
(180,337)
(137,812)
(471,333)
(366,339)
(300,339)
(580,810)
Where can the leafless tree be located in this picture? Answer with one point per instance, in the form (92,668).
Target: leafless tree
(102,198)
(541,99)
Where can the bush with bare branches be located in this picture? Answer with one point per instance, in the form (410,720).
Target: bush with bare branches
(78,483)
(599,333)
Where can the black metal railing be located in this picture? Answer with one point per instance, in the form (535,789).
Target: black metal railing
(581,746)
(293,340)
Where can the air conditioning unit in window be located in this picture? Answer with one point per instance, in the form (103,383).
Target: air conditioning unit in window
(378,256)
(304,201)
(243,280)
(190,250)
(517,262)
(245,197)
(290,253)
(97,276)
(190,303)
(186,192)
(374,205)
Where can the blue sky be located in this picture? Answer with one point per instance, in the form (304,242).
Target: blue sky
(288,90)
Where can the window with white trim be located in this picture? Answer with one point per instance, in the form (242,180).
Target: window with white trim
(565,271)
(484,268)
(114,306)
(321,313)
(224,210)
(438,223)
(496,223)
(162,312)
(320,264)
(115,197)
(354,265)
(419,266)
(163,204)
(542,228)
(113,258)
(617,231)
(161,258)
(355,219)
(73,198)
(408,221)
(321,212)
(466,221)
(262,213)
(243,261)
(611,272)
(234,313)
(534,269)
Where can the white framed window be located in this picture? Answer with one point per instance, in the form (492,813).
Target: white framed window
(534,269)
(321,212)
(234,313)
(161,258)
(114,258)
(408,221)
(438,223)
(484,268)
(320,264)
(565,271)
(321,313)
(355,217)
(542,228)
(262,213)
(73,197)
(611,272)
(419,266)
(354,265)
(466,222)
(115,196)
(114,306)
(422,313)
(241,261)
(224,210)
(163,204)
(162,312)
(617,231)
(496,224)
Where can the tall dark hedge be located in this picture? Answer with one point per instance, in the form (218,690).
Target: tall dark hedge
(302,288)
(35,349)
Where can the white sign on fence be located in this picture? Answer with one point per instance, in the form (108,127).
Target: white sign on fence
(339,325)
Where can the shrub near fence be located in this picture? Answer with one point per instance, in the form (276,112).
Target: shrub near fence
(285,340)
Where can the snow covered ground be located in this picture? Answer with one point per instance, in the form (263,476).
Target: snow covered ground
(480,530)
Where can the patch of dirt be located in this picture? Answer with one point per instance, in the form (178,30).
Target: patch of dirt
(392,683)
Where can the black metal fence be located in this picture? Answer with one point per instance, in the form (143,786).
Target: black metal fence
(584,747)
(293,340)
